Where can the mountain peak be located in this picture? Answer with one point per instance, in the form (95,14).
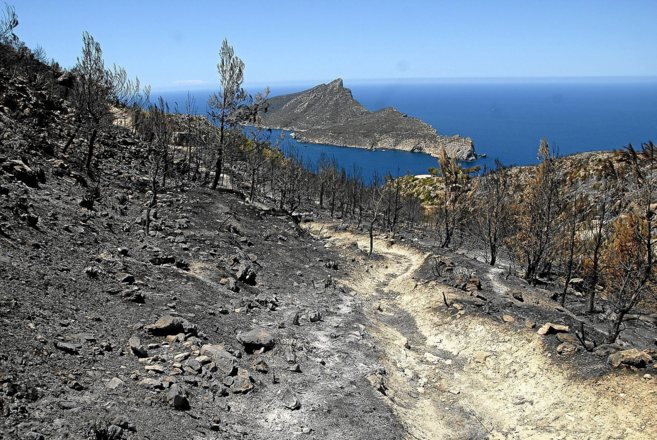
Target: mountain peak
(337,83)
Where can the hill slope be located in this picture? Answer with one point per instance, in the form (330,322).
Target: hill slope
(80,289)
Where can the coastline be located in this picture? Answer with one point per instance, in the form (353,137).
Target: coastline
(301,135)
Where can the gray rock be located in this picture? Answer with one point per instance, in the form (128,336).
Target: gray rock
(567,348)
(134,343)
(151,384)
(114,383)
(123,422)
(225,362)
(550,328)
(194,365)
(244,269)
(630,358)
(242,382)
(604,350)
(171,325)
(177,397)
(261,366)
(68,347)
(290,356)
(290,400)
(232,285)
(125,278)
(21,172)
(256,338)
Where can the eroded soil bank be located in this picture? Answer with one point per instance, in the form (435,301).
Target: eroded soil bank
(453,371)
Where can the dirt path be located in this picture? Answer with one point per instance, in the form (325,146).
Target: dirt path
(454,375)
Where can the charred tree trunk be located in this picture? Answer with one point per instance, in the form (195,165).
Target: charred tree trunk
(90,149)
(220,155)
(71,138)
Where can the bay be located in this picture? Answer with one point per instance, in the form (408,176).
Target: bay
(505,118)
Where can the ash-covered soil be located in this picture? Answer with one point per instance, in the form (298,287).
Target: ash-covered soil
(80,288)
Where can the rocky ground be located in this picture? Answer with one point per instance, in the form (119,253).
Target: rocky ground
(224,323)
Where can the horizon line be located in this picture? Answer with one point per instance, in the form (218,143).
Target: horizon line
(427,80)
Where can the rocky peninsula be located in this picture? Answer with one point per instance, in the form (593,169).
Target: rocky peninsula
(329,114)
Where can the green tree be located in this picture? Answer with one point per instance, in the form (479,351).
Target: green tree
(225,103)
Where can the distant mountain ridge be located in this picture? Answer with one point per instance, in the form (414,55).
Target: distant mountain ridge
(329,114)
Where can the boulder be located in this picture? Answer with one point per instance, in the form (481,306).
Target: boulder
(242,382)
(567,349)
(114,383)
(378,382)
(151,383)
(290,400)
(243,268)
(577,284)
(125,278)
(630,358)
(315,316)
(68,347)
(550,328)
(134,343)
(226,363)
(171,325)
(256,338)
(177,397)
(21,172)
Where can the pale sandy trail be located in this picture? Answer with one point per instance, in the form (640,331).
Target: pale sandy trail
(467,376)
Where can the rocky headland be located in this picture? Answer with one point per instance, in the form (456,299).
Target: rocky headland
(329,114)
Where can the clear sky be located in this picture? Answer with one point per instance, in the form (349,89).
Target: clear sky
(174,44)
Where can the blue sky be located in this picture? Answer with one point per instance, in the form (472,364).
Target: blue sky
(174,45)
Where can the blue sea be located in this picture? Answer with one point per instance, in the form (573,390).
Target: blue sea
(505,118)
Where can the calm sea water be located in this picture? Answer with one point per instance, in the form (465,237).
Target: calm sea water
(505,119)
